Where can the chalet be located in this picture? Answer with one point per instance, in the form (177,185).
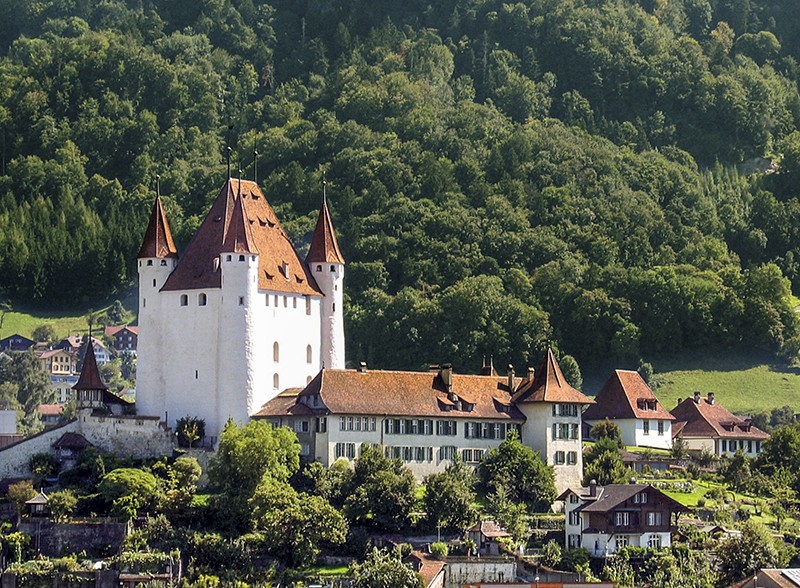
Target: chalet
(124,338)
(604,519)
(58,362)
(16,342)
(426,418)
(628,401)
(706,425)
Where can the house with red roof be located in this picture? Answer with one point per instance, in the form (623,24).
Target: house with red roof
(239,316)
(125,338)
(427,418)
(628,401)
(704,424)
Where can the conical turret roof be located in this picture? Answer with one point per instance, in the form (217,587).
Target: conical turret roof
(324,247)
(90,375)
(158,238)
(238,235)
(549,385)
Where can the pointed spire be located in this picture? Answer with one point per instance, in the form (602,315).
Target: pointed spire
(255,166)
(324,247)
(238,235)
(550,385)
(90,378)
(158,238)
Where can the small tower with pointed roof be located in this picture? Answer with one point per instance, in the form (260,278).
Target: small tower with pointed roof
(157,258)
(90,390)
(553,409)
(326,264)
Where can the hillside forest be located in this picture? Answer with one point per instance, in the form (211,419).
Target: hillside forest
(613,178)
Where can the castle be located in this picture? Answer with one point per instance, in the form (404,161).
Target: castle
(239,316)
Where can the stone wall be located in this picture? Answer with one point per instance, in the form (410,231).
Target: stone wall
(463,570)
(14,458)
(127,435)
(97,537)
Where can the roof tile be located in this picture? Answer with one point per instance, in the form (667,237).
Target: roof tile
(158,238)
(625,395)
(549,385)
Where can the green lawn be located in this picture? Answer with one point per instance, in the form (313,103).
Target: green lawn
(65,322)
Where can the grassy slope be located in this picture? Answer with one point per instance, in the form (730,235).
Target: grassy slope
(65,322)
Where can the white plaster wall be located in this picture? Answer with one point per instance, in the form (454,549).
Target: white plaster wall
(14,459)
(332,333)
(700,443)
(653,439)
(465,571)
(537,433)
(8,422)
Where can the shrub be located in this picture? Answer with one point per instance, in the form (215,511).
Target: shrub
(439,550)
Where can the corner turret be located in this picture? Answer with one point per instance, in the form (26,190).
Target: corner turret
(326,264)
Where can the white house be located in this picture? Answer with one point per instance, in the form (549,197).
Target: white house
(239,316)
(703,424)
(629,402)
(603,519)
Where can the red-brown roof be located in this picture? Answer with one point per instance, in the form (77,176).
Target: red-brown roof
(50,409)
(426,566)
(158,238)
(549,385)
(377,392)
(324,247)
(625,395)
(238,236)
(90,376)
(72,441)
(490,529)
(708,418)
(111,331)
(197,268)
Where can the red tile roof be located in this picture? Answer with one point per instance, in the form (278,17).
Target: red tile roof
(625,395)
(708,418)
(50,409)
(90,376)
(197,268)
(324,247)
(490,529)
(238,235)
(396,393)
(549,385)
(426,566)
(111,331)
(158,238)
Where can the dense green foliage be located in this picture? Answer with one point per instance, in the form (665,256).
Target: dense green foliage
(547,170)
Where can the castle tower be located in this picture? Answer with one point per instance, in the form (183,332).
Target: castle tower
(552,410)
(157,258)
(326,264)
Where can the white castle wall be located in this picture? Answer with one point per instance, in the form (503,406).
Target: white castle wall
(330,278)
(537,433)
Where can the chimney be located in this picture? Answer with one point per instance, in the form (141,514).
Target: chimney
(711,398)
(679,400)
(446,373)
(511,377)
(593,488)
(434,368)
(529,375)
(697,397)
(362,367)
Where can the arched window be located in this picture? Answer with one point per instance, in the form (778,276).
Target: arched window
(154,282)
(202,299)
(333,268)
(319,268)
(308,380)
(276,381)
(184,300)
(276,352)
(309,354)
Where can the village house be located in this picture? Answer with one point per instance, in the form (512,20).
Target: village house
(73,343)
(628,401)
(16,342)
(125,339)
(704,424)
(604,519)
(425,419)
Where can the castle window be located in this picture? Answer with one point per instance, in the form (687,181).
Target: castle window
(276,300)
(184,300)
(149,262)
(333,307)
(294,302)
(333,268)
(267,298)
(241,258)
(241,300)
(275,381)
(319,268)
(164,262)
(202,299)
(154,282)
(285,301)
(309,354)
(276,353)
(308,304)
(228,258)
(308,380)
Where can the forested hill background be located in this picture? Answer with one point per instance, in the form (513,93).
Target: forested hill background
(502,175)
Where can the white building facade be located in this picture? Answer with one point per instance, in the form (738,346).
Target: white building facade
(239,317)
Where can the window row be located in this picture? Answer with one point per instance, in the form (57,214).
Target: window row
(202,299)
(628,518)
(565,431)
(356,423)
(276,353)
(565,410)
(276,300)
(646,427)
(735,445)
(419,454)
(565,457)
(489,430)
(419,427)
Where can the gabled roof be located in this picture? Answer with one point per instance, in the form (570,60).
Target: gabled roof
(74,342)
(625,395)
(112,331)
(40,498)
(90,376)
(376,392)
(50,409)
(16,342)
(198,266)
(708,418)
(549,385)
(324,247)
(48,353)
(158,238)
(489,529)
(71,441)
(238,235)
(612,496)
